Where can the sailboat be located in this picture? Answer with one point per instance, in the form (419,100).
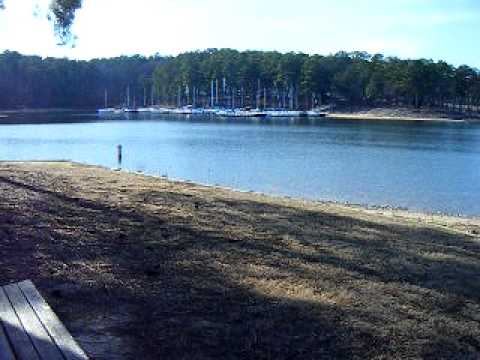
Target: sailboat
(106,110)
(128,109)
(145,109)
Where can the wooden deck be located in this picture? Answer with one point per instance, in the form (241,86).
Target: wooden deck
(30,330)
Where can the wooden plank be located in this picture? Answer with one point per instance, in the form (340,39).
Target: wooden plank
(6,352)
(41,340)
(22,346)
(70,349)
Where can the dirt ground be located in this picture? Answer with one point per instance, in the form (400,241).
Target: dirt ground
(144,268)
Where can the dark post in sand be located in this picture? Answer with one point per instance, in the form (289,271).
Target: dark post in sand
(119,155)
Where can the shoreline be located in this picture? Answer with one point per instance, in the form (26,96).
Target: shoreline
(371,209)
(376,114)
(346,116)
(347,204)
(387,211)
(405,211)
(207,272)
(42,110)
(403,113)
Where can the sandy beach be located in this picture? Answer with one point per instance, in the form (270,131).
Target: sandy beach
(140,267)
(360,116)
(402,114)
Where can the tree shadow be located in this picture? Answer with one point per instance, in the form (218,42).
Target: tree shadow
(210,276)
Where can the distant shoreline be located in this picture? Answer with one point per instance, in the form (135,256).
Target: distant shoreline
(3,112)
(377,114)
(344,116)
(403,114)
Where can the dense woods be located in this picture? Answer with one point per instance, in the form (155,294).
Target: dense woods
(303,81)
(33,82)
(228,77)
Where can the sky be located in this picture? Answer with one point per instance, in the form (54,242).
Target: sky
(435,29)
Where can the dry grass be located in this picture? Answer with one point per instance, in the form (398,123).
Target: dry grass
(176,270)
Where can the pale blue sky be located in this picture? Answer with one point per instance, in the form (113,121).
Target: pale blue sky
(438,29)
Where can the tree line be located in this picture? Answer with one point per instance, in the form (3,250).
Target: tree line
(33,82)
(228,77)
(304,81)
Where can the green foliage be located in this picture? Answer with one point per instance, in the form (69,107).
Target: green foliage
(356,78)
(292,79)
(33,82)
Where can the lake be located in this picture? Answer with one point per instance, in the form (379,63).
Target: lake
(423,166)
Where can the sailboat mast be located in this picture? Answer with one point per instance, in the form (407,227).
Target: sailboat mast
(224,88)
(106,98)
(290,97)
(257,101)
(128,96)
(264,97)
(211,94)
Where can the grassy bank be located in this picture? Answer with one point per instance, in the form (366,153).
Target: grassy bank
(176,270)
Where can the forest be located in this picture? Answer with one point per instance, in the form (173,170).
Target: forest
(226,77)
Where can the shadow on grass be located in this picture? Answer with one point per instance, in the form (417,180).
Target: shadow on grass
(241,279)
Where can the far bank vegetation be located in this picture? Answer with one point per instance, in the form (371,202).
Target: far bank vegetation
(251,78)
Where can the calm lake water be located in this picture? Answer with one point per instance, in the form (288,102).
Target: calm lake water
(417,165)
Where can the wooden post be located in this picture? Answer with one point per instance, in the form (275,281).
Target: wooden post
(119,155)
